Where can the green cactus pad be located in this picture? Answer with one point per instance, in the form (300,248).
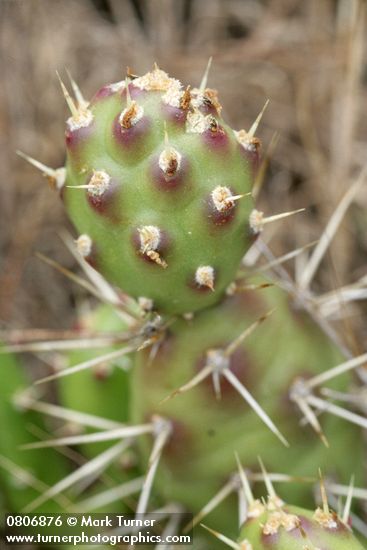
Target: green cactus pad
(23,474)
(106,388)
(157,185)
(293,528)
(207,432)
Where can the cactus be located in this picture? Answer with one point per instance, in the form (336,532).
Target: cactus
(201,357)
(149,187)
(272,524)
(293,528)
(23,477)
(226,348)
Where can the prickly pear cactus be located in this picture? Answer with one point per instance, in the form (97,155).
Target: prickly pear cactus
(199,363)
(293,528)
(205,384)
(20,474)
(273,525)
(225,367)
(158,186)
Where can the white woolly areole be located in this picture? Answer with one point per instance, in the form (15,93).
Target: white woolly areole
(170,160)
(157,80)
(245,545)
(218,359)
(82,119)
(197,98)
(134,112)
(145,304)
(174,94)
(59,178)
(274,503)
(84,245)
(256,508)
(247,141)
(117,86)
(221,197)
(325,519)
(197,123)
(256,221)
(99,183)
(205,276)
(188,316)
(279,519)
(150,237)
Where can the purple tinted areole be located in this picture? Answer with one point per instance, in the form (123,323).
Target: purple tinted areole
(162,248)
(117,88)
(252,157)
(208,109)
(131,138)
(217,217)
(216,137)
(106,204)
(98,203)
(174,114)
(180,443)
(105,91)
(306,526)
(134,92)
(241,365)
(270,541)
(166,182)
(76,138)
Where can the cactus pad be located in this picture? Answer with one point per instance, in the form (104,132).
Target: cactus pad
(206,432)
(157,184)
(284,527)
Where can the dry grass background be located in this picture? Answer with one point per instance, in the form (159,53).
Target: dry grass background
(307,57)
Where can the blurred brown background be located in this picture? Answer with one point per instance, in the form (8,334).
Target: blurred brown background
(307,57)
